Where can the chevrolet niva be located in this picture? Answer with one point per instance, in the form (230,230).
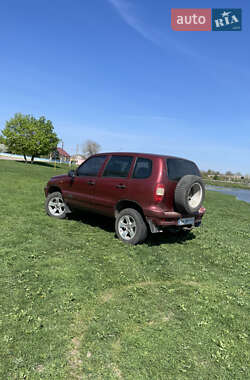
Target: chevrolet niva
(143,192)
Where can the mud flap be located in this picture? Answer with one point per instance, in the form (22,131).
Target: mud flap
(153,227)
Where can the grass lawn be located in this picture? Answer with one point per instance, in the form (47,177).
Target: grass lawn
(76,303)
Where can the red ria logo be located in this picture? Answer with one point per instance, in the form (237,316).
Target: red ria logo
(191,19)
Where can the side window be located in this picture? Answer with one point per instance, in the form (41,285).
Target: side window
(118,166)
(91,167)
(143,168)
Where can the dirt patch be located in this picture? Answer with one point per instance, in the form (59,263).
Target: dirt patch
(148,283)
(164,319)
(168,317)
(116,346)
(106,296)
(74,360)
(109,294)
(116,371)
(40,368)
(190,283)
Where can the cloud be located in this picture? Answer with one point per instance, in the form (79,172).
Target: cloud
(127,12)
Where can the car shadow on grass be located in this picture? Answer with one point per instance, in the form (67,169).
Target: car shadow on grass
(108,225)
(93,220)
(168,237)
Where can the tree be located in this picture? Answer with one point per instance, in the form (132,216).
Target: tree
(2,140)
(55,155)
(90,147)
(24,134)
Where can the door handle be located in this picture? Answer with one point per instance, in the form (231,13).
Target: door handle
(91,183)
(121,186)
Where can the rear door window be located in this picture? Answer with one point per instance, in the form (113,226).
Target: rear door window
(143,168)
(118,166)
(177,168)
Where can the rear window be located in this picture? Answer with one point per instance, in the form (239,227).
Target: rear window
(177,168)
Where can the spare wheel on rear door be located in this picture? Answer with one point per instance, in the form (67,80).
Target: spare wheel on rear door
(189,194)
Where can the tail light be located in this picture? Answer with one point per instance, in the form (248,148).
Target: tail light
(159,192)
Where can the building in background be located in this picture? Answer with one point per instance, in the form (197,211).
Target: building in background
(62,155)
(77,159)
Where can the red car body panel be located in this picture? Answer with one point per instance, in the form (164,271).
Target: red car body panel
(103,194)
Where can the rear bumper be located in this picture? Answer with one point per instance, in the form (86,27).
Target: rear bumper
(170,218)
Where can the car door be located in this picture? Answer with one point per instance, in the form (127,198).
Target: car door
(82,187)
(113,184)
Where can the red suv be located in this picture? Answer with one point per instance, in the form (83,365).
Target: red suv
(144,192)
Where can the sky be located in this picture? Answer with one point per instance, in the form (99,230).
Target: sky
(115,72)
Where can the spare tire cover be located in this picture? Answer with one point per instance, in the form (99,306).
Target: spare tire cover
(189,194)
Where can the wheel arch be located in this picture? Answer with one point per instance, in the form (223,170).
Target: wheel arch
(122,204)
(54,189)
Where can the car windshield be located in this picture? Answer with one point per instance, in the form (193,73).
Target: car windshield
(177,168)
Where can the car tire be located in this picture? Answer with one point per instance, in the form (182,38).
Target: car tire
(189,194)
(130,226)
(55,206)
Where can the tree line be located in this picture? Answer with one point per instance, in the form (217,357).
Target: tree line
(35,137)
(216,174)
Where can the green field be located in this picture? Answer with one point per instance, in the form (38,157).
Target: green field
(76,303)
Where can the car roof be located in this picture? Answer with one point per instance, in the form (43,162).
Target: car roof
(138,154)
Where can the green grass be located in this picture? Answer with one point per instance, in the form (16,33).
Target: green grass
(238,185)
(76,303)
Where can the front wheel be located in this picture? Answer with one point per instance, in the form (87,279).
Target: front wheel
(55,205)
(130,226)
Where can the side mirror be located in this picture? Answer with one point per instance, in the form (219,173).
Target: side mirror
(72,173)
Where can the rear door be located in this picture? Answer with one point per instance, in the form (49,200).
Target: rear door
(113,184)
(82,187)
(142,182)
(176,169)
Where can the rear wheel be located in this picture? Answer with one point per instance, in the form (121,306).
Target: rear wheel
(130,226)
(55,205)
